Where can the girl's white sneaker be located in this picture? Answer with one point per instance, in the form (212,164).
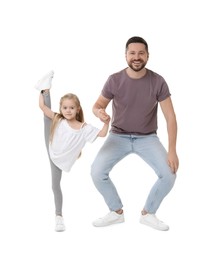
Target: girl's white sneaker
(59,224)
(45,82)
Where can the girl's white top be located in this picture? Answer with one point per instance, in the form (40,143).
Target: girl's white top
(67,143)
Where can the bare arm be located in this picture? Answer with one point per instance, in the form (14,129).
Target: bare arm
(169,114)
(99,109)
(104,130)
(46,110)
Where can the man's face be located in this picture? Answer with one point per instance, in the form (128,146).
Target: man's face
(136,56)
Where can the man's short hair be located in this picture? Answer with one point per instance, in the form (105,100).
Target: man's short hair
(136,39)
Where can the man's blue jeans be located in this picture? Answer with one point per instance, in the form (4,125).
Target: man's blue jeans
(150,149)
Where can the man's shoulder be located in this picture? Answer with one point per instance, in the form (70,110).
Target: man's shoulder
(154,74)
(118,74)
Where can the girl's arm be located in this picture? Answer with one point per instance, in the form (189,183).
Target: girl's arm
(46,110)
(104,129)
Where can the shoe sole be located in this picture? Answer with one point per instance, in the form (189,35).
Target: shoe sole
(109,224)
(61,230)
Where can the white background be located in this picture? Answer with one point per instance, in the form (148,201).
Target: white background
(83,42)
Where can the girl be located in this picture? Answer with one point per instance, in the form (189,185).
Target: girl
(66,134)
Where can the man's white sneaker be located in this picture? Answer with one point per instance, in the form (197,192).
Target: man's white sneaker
(110,219)
(59,224)
(45,82)
(152,221)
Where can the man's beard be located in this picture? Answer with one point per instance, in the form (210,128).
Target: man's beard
(136,69)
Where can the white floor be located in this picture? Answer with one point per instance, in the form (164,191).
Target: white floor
(83,43)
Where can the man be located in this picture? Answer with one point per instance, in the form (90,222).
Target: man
(135,93)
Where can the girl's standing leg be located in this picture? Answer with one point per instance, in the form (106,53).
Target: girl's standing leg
(55,171)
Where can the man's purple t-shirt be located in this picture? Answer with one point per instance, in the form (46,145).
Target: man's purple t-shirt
(135,101)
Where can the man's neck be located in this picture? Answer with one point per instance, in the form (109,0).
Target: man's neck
(136,74)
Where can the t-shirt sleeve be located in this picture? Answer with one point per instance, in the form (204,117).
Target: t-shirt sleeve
(91,133)
(164,91)
(107,92)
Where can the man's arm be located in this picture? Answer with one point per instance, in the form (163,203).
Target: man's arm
(99,109)
(169,114)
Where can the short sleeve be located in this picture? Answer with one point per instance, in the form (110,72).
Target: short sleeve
(90,133)
(163,90)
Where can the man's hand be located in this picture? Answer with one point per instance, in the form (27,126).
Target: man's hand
(173,161)
(103,116)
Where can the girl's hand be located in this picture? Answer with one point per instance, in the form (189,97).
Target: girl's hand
(103,116)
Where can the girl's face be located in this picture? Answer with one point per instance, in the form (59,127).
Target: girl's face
(69,109)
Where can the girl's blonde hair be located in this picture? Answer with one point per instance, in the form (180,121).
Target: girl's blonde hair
(59,116)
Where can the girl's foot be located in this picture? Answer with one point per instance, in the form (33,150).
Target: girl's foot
(59,224)
(45,82)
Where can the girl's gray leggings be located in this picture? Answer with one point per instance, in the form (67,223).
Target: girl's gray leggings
(56,173)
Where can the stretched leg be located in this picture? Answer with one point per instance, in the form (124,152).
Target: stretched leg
(55,171)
